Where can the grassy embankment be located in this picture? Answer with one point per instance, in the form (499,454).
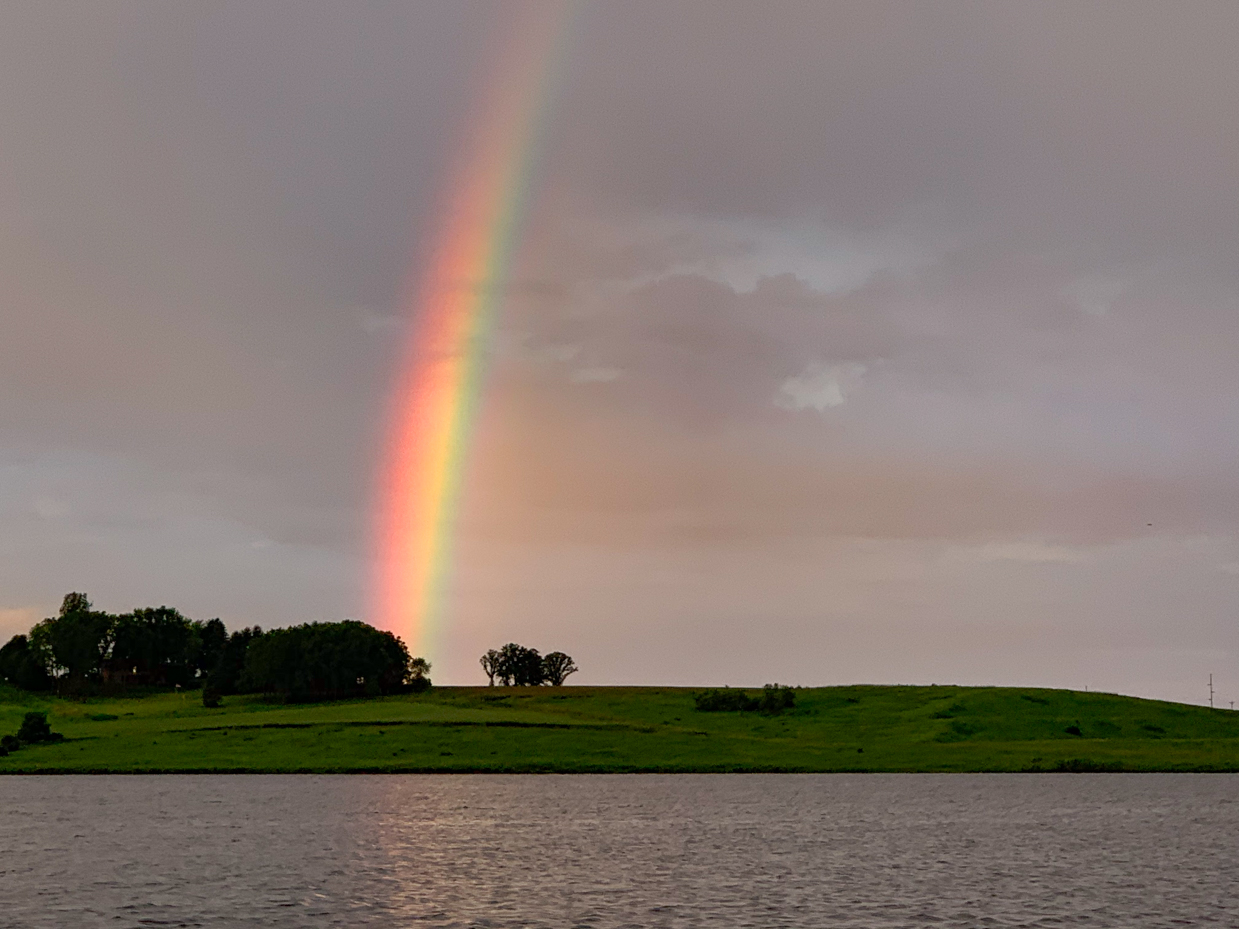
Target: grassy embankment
(591,729)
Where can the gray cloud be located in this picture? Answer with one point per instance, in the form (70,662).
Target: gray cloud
(834,326)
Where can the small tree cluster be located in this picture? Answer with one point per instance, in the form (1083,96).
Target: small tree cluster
(774,699)
(516,665)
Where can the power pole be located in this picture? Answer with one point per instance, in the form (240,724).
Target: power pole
(1210,691)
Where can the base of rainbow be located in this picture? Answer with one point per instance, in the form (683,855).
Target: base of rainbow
(453,311)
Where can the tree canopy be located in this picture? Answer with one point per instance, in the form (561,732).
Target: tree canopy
(516,665)
(329,660)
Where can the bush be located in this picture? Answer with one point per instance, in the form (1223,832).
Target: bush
(9,743)
(774,699)
(724,701)
(210,696)
(1087,766)
(34,728)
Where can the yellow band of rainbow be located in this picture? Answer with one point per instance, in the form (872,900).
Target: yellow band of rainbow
(452,311)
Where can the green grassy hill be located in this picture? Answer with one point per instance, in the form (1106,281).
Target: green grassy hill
(595,729)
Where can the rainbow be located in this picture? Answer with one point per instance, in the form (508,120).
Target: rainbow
(453,307)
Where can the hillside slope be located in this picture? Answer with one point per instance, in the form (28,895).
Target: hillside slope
(596,729)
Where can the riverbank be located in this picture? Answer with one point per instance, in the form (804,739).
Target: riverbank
(623,729)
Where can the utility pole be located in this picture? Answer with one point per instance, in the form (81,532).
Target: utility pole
(1210,691)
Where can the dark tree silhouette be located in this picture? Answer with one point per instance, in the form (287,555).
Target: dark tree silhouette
(330,660)
(224,677)
(74,603)
(34,728)
(20,665)
(153,646)
(213,640)
(519,665)
(506,663)
(74,644)
(418,675)
(490,665)
(556,667)
(528,671)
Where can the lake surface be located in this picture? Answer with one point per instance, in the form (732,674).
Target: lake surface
(623,850)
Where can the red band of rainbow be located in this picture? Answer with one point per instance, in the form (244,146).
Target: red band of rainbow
(453,311)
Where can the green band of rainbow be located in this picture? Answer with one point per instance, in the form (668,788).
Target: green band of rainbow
(453,313)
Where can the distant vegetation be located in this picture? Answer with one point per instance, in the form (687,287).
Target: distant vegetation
(774,699)
(332,660)
(83,652)
(516,665)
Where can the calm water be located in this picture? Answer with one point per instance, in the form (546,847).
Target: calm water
(626,850)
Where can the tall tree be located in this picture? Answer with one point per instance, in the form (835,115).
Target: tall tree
(490,665)
(213,640)
(419,674)
(73,645)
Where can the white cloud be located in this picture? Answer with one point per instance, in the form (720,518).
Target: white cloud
(820,386)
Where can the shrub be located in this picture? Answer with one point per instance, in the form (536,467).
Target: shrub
(1087,766)
(774,699)
(210,695)
(34,728)
(724,701)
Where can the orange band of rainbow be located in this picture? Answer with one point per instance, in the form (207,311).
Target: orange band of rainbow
(453,312)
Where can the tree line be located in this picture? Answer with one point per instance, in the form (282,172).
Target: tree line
(516,665)
(82,651)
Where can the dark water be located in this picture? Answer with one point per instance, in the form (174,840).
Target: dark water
(626,850)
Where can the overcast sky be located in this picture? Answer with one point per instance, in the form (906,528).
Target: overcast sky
(847,342)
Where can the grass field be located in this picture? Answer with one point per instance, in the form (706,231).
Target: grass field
(597,729)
